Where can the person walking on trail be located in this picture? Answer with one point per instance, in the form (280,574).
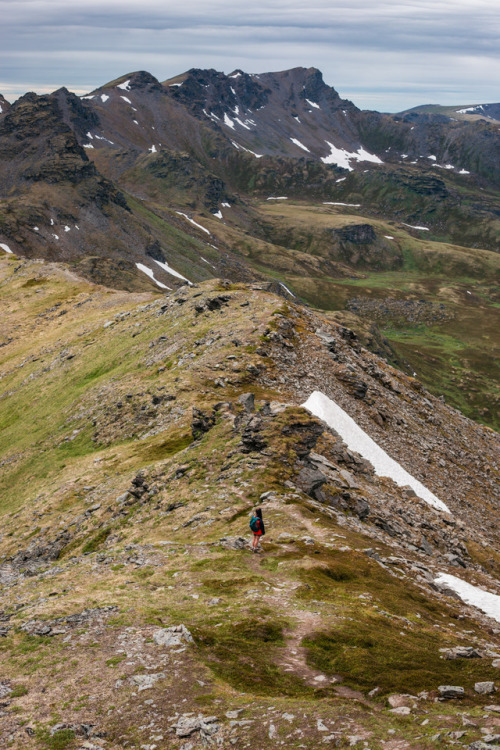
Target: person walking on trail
(257,527)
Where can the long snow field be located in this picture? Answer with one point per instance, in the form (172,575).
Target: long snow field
(476,597)
(357,440)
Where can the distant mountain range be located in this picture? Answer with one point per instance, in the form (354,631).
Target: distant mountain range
(144,185)
(93,180)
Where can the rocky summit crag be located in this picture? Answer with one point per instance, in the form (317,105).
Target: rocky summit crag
(139,429)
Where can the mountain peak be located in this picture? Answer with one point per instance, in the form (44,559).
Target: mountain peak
(4,104)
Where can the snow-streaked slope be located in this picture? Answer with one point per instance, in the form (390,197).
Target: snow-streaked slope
(476,597)
(171,271)
(6,248)
(357,440)
(151,275)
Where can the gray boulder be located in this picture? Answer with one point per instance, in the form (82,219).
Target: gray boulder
(446,692)
(176,635)
(484,688)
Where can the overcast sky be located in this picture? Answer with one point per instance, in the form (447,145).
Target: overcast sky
(382,55)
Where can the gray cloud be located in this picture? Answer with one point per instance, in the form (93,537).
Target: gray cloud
(384,55)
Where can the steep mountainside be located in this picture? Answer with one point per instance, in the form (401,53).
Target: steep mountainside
(138,431)
(142,184)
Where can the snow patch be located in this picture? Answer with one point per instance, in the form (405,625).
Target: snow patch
(192,221)
(152,149)
(151,275)
(299,144)
(126,99)
(170,270)
(357,440)
(239,147)
(351,205)
(313,104)
(228,121)
(67,229)
(124,85)
(341,157)
(56,236)
(432,157)
(287,289)
(218,214)
(6,248)
(341,179)
(235,75)
(240,122)
(463,171)
(473,595)
(87,145)
(90,136)
(388,237)
(36,229)
(424,229)
(469,109)
(277,198)
(104,98)
(226,205)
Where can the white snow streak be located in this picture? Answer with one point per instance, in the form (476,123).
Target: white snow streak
(351,205)
(299,144)
(357,440)
(473,595)
(87,145)
(226,205)
(124,85)
(104,98)
(153,149)
(278,198)
(424,229)
(67,229)
(228,121)
(313,104)
(239,146)
(170,270)
(287,289)
(193,222)
(240,122)
(218,214)
(126,99)
(341,157)
(36,229)
(388,237)
(6,248)
(151,275)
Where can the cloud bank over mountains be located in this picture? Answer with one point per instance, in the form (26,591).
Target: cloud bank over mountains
(382,55)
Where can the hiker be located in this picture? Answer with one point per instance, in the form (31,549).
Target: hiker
(257,527)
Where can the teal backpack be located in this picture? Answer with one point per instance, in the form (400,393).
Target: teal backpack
(255,524)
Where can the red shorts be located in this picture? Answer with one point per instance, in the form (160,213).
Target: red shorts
(257,533)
